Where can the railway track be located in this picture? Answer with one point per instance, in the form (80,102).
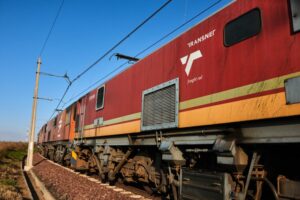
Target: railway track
(64,183)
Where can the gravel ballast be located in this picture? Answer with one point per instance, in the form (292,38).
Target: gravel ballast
(64,184)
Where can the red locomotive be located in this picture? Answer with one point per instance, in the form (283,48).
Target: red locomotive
(213,114)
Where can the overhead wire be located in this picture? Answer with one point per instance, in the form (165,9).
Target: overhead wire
(51,28)
(49,34)
(61,99)
(121,41)
(143,51)
(95,83)
(108,52)
(179,27)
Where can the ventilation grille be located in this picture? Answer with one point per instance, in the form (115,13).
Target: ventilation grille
(160,106)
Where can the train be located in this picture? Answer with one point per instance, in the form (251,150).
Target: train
(212,114)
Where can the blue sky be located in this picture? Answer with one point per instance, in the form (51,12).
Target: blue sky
(84,31)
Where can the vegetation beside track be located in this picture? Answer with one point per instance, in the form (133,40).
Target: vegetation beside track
(12,185)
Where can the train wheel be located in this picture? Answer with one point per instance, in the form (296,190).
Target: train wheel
(41,150)
(45,151)
(51,154)
(59,154)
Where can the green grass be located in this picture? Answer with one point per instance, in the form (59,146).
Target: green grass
(4,165)
(16,155)
(10,182)
(11,155)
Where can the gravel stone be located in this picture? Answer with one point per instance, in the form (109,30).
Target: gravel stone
(65,185)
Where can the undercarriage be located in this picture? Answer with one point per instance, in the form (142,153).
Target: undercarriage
(193,164)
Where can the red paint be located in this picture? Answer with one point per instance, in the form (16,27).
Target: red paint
(273,52)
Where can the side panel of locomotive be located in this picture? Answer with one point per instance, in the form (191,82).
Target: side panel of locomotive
(207,96)
(217,84)
(247,80)
(50,130)
(59,127)
(41,136)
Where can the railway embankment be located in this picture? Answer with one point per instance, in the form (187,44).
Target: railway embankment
(12,183)
(65,184)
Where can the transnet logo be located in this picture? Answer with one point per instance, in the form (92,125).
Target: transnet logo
(189,59)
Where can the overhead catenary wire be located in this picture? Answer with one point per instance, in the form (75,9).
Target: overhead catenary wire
(121,41)
(143,51)
(179,27)
(51,28)
(95,83)
(60,101)
(109,51)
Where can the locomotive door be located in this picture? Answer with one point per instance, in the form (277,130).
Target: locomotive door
(79,123)
(67,123)
(73,114)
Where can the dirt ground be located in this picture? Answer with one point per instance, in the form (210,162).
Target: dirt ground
(12,185)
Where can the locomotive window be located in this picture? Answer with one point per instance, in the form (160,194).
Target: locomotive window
(295,15)
(74,112)
(68,115)
(49,134)
(77,123)
(55,122)
(242,28)
(100,98)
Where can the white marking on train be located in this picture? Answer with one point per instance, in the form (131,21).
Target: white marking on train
(195,79)
(201,38)
(189,60)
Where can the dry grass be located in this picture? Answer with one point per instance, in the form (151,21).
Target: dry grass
(4,146)
(11,155)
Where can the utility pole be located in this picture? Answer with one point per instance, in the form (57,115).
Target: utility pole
(33,118)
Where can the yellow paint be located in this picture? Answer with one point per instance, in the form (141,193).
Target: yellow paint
(89,126)
(76,135)
(124,128)
(262,86)
(125,118)
(128,127)
(74,155)
(122,119)
(254,88)
(268,106)
(89,133)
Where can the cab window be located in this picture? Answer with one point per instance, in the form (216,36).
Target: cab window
(100,98)
(295,15)
(242,28)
